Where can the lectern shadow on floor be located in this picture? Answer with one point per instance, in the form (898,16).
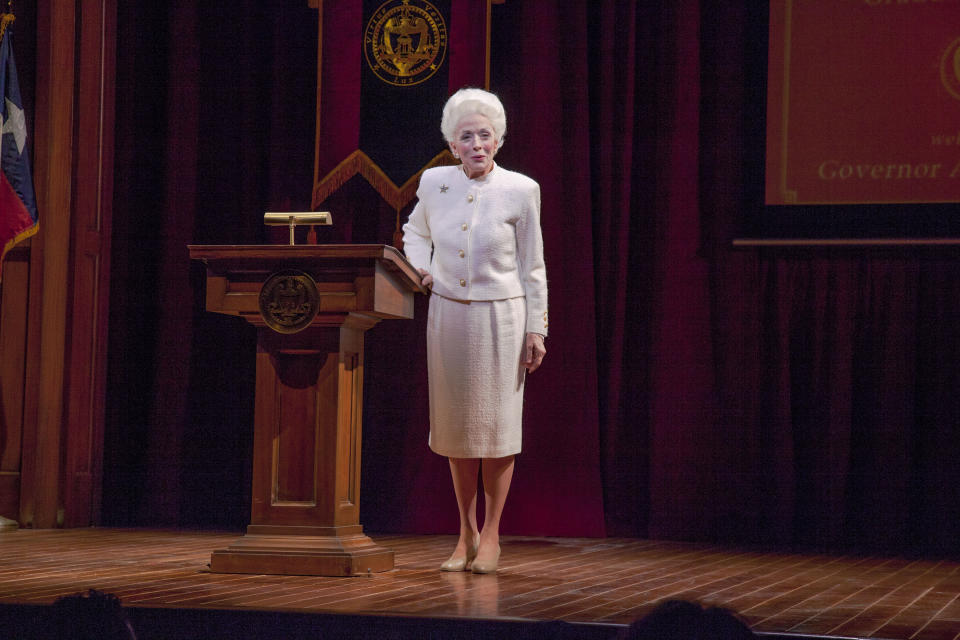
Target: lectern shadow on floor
(311,305)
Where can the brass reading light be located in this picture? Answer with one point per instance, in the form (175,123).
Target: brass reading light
(293,219)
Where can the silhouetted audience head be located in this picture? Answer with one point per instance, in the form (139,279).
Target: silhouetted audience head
(684,620)
(89,616)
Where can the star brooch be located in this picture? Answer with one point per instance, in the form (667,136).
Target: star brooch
(443,188)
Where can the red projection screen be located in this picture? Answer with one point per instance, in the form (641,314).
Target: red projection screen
(863,102)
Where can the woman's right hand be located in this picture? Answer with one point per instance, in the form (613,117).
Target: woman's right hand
(426,279)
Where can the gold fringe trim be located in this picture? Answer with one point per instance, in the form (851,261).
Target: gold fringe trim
(5,19)
(20,237)
(360,162)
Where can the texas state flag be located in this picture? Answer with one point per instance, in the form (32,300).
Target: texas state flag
(18,206)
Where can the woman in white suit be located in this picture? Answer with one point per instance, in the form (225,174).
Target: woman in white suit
(475,238)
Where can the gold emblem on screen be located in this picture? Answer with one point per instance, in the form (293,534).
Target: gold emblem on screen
(950,68)
(289,301)
(405,41)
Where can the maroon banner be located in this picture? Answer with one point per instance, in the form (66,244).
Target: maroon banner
(384,72)
(863,102)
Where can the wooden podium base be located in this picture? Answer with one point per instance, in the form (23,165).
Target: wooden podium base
(308,409)
(293,551)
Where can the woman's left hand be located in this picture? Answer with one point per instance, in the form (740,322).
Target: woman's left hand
(533,352)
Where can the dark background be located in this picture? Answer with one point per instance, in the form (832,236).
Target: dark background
(799,398)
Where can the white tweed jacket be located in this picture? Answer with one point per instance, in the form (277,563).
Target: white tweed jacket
(480,239)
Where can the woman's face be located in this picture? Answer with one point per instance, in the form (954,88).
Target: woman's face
(475,144)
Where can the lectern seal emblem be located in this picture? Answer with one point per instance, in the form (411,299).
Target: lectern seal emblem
(950,68)
(289,301)
(405,41)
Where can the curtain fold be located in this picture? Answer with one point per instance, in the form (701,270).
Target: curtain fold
(619,144)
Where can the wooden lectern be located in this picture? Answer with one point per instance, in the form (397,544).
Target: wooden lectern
(309,396)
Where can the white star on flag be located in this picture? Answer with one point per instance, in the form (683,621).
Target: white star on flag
(15,124)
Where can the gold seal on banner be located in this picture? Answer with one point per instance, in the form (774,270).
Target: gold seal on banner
(289,301)
(950,68)
(405,41)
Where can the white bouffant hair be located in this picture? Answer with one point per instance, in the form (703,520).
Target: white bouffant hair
(467,102)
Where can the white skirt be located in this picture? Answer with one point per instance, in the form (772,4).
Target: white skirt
(475,376)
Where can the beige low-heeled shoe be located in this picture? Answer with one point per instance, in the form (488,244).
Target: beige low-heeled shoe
(460,564)
(487,567)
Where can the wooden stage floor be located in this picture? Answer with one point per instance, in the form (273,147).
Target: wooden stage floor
(588,582)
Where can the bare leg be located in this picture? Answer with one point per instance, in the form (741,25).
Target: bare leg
(464,472)
(497,475)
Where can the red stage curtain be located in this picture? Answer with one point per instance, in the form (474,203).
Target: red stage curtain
(799,398)
(835,423)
